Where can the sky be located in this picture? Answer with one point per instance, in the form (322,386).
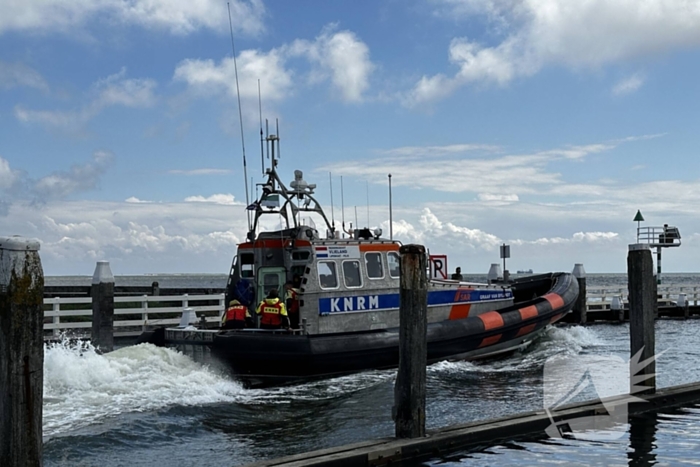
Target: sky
(542,124)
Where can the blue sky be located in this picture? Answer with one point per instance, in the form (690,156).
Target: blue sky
(544,124)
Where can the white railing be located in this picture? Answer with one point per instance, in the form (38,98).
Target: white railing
(601,298)
(598,298)
(125,327)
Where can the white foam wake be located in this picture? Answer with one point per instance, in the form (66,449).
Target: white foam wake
(570,340)
(81,387)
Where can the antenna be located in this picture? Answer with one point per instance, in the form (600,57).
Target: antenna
(277,125)
(267,137)
(356,224)
(367,185)
(391,221)
(330,179)
(342,203)
(240,115)
(262,155)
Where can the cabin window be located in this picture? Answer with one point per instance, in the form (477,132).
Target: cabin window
(300,255)
(351,273)
(247,264)
(327,276)
(373,262)
(394,264)
(271,281)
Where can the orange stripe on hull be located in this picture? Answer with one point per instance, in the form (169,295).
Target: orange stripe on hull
(460,311)
(492,320)
(379,247)
(555,300)
(528,312)
(526,330)
(490,340)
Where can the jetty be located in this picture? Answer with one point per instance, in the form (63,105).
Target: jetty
(440,443)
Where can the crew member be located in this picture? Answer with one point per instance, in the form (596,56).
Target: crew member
(292,300)
(457,276)
(273,313)
(236,316)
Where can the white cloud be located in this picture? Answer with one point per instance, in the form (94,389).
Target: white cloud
(342,56)
(227,199)
(177,16)
(79,178)
(8,177)
(17,74)
(117,90)
(203,171)
(114,90)
(135,237)
(537,33)
(628,85)
(133,199)
(492,175)
(578,237)
(436,151)
(338,56)
(208,78)
(508,198)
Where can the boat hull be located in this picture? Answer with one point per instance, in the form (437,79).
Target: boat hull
(272,357)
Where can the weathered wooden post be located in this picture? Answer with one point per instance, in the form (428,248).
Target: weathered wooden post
(102,293)
(640,277)
(579,311)
(21,352)
(409,392)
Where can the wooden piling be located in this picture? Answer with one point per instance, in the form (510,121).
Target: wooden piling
(642,298)
(579,312)
(21,352)
(102,293)
(409,392)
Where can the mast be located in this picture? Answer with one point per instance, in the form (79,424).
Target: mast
(277,198)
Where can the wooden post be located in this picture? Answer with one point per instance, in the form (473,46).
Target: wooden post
(409,392)
(21,352)
(579,311)
(102,293)
(640,277)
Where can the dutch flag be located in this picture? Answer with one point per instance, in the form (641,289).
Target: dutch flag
(321,252)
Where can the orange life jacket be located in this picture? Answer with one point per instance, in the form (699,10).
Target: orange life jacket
(293,301)
(271,311)
(236,313)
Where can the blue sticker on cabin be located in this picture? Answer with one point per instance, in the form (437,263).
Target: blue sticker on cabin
(391,301)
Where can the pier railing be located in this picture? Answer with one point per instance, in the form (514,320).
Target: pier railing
(605,298)
(136,313)
(132,314)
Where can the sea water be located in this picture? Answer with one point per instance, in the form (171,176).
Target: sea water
(144,405)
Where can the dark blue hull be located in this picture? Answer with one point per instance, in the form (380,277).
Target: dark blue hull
(271,358)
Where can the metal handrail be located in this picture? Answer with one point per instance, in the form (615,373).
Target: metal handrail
(147,312)
(664,236)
